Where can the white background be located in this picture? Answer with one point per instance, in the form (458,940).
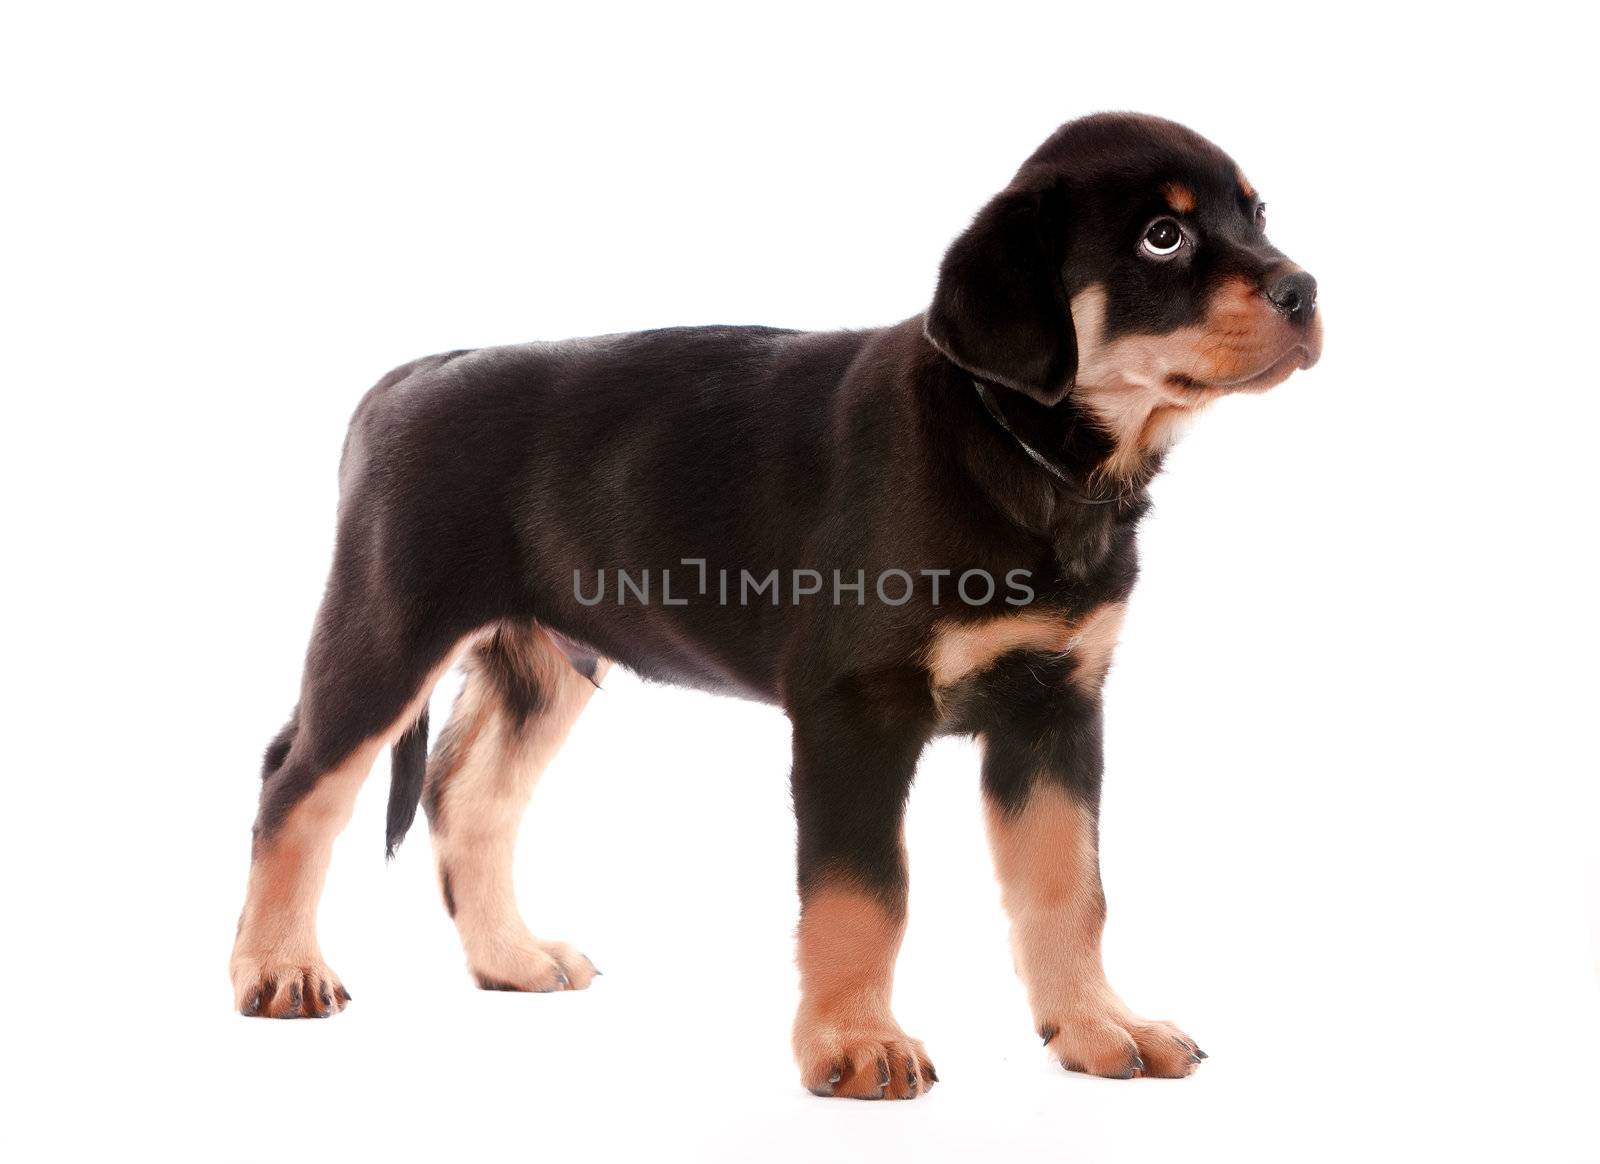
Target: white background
(1349,814)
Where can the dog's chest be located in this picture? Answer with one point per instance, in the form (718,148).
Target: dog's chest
(1080,586)
(960,652)
(1092,545)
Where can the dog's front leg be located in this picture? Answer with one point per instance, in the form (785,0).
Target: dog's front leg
(855,752)
(1041,782)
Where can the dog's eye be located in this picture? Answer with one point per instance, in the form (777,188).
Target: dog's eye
(1162,237)
(1261,216)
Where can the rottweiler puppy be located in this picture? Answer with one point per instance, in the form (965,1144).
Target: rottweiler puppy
(891,534)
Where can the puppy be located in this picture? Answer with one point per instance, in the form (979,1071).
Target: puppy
(927,528)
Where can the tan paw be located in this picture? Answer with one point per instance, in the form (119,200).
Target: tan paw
(880,1063)
(1118,1045)
(534,967)
(277,987)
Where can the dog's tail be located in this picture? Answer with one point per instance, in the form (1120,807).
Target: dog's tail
(408,765)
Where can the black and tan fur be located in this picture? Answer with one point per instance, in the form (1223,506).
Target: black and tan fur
(1011,430)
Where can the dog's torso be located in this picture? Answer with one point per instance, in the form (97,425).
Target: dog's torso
(748,510)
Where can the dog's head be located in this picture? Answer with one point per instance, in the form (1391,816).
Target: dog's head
(1127,264)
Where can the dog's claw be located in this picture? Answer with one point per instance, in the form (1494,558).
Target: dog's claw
(903,1070)
(1146,1048)
(287,989)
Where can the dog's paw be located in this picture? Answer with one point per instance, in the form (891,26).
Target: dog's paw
(534,967)
(875,1063)
(1118,1045)
(276,987)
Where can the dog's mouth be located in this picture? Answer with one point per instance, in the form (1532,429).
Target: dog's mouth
(1275,373)
(1301,354)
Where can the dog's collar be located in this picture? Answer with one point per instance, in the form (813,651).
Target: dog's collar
(1044,462)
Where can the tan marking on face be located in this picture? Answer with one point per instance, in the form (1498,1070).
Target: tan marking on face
(1179,197)
(277,938)
(848,942)
(1245,188)
(480,781)
(960,649)
(1144,388)
(1047,860)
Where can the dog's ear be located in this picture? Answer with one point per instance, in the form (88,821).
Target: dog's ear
(1000,310)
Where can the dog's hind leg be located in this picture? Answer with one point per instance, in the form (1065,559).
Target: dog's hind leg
(367,679)
(522,695)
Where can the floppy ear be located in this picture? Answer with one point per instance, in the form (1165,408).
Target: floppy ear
(1000,310)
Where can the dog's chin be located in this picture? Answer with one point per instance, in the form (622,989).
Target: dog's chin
(1274,373)
(1300,355)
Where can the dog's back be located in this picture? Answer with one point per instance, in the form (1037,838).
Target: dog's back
(517,482)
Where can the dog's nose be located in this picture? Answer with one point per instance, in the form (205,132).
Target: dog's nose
(1294,294)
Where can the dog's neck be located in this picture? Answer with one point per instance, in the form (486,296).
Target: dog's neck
(1081,490)
(1069,446)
